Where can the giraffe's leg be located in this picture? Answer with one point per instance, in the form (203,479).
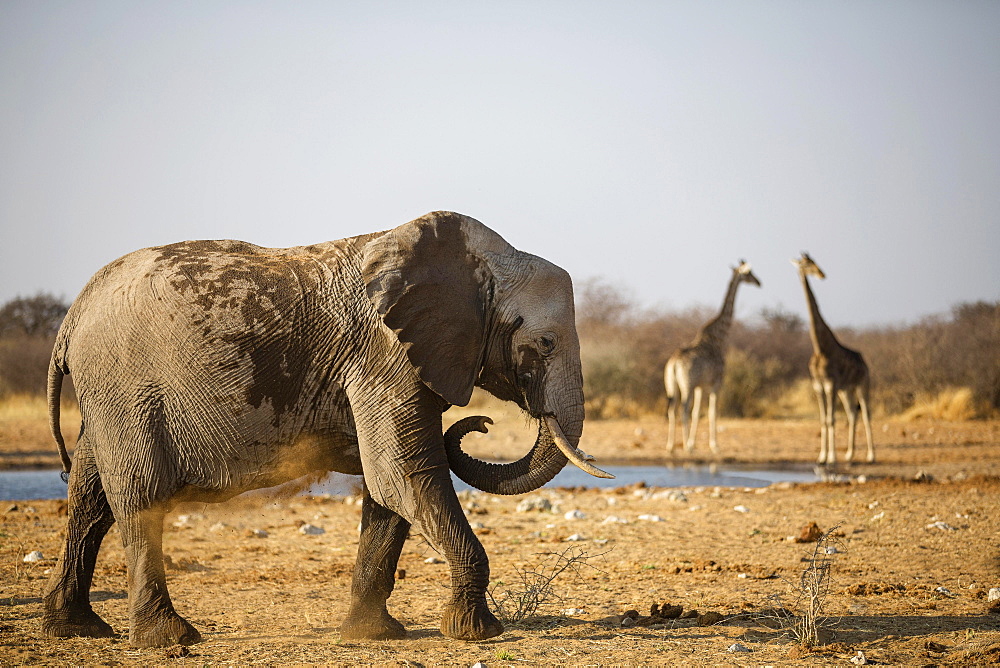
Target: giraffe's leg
(829,395)
(685,408)
(67,603)
(851,409)
(712,433)
(671,419)
(153,621)
(866,418)
(818,389)
(695,409)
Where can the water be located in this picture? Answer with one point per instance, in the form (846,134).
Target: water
(22,485)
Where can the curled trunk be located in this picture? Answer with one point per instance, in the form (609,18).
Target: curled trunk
(545,459)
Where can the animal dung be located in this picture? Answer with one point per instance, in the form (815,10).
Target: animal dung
(709,618)
(659,613)
(665,611)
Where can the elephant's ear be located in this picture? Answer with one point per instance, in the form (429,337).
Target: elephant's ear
(430,288)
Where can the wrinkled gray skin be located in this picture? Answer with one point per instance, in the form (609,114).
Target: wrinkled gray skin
(207,368)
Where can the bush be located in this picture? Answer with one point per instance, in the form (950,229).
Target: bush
(624,349)
(38,316)
(24,364)
(742,385)
(27,330)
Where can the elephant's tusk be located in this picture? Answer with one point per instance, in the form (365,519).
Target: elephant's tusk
(578,458)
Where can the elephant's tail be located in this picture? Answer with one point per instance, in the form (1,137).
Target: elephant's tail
(54,394)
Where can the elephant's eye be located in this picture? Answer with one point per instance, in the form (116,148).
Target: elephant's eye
(546,344)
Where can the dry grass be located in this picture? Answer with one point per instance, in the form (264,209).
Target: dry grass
(33,407)
(954,403)
(25,441)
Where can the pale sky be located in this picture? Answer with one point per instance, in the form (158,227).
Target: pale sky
(652,144)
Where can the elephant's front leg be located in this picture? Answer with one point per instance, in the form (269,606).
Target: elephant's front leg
(406,471)
(466,616)
(383,533)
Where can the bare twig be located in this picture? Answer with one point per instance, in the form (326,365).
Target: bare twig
(522,600)
(806,621)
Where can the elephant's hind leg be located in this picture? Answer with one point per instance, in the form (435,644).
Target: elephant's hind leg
(153,620)
(383,533)
(67,610)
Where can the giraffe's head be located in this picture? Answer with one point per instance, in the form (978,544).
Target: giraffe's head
(745,275)
(807,266)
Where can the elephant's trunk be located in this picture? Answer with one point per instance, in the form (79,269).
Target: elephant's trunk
(546,458)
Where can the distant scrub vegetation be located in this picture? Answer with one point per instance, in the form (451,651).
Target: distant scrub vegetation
(945,366)
(28,327)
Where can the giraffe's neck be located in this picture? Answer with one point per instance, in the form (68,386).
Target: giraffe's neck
(822,337)
(716,330)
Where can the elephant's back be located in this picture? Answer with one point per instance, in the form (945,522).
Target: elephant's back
(203,276)
(186,301)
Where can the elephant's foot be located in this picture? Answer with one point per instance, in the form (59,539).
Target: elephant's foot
(70,623)
(466,621)
(164,630)
(371,625)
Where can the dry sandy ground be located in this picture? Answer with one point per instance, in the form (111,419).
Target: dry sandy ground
(908,583)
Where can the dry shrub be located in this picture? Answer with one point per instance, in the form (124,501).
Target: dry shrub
(743,385)
(805,620)
(953,403)
(536,583)
(797,401)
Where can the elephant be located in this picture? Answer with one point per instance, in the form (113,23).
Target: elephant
(204,369)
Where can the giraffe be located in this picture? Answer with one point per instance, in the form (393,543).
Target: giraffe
(700,366)
(836,370)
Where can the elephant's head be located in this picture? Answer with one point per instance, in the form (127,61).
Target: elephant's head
(472,310)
